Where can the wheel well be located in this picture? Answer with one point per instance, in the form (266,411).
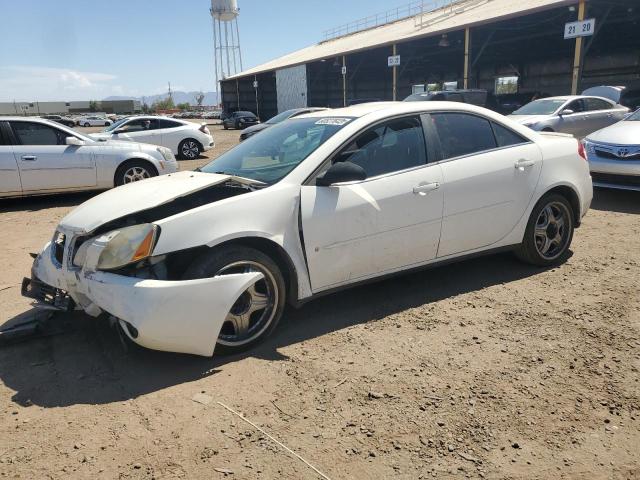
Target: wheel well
(278,255)
(130,161)
(570,194)
(195,140)
(547,129)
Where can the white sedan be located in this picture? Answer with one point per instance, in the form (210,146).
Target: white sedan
(38,156)
(186,139)
(208,259)
(94,121)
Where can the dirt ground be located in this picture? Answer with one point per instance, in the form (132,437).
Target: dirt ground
(482,369)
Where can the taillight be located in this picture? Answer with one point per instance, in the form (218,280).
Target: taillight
(581,150)
(203,128)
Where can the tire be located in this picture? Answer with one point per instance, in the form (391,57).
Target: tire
(547,129)
(245,326)
(224,125)
(86,124)
(134,171)
(189,149)
(106,124)
(549,232)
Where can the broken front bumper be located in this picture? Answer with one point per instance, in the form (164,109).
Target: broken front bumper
(175,316)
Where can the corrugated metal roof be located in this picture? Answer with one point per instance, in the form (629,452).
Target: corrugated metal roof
(460,15)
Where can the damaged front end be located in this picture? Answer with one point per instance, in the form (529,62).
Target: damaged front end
(111,269)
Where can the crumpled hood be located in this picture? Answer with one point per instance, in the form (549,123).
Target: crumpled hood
(621,133)
(135,197)
(528,119)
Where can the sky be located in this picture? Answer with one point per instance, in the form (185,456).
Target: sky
(90,49)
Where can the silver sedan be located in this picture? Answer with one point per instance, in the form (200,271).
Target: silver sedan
(578,115)
(614,154)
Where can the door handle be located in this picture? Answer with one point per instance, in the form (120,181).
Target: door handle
(424,188)
(29,158)
(524,163)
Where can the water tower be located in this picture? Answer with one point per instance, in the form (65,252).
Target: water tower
(226,39)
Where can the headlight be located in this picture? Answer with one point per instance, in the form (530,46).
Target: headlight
(128,245)
(166,154)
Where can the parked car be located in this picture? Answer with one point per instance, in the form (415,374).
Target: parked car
(578,115)
(185,139)
(281,117)
(69,122)
(472,96)
(614,154)
(240,119)
(94,122)
(38,156)
(507,103)
(320,202)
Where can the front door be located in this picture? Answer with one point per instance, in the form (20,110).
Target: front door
(490,174)
(385,223)
(46,162)
(9,176)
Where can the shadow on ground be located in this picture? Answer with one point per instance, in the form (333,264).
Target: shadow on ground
(90,365)
(44,202)
(621,201)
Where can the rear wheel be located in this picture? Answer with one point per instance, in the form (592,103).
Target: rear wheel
(549,232)
(86,124)
(134,171)
(189,149)
(257,311)
(106,124)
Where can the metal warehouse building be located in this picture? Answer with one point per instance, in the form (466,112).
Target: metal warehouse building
(468,44)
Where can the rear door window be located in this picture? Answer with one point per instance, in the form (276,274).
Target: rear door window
(163,123)
(463,134)
(594,104)
(506,137)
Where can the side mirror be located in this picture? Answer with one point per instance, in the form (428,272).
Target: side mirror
(341,172)
(566,111)
(75,141)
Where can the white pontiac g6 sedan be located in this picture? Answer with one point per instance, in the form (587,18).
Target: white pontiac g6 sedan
(185,139)
(206,260)
(39,157)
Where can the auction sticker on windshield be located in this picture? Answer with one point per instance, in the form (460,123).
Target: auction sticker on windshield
(333,121)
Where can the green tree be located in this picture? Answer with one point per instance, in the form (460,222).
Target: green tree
(184,106)
(93,106)
(164,104)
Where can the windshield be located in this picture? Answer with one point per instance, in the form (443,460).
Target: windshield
(274,153)
(634,117)
(115,125)
(546,106)
(418,97)
(280,117)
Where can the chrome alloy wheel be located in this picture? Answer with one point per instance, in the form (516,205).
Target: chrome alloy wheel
(254,310)
(135,174)
(551,233)
(190,149)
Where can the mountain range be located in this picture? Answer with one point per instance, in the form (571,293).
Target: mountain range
(210,98)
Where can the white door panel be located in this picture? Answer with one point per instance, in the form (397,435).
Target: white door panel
(9,176)
(485,195)
(361,230)
(48,167)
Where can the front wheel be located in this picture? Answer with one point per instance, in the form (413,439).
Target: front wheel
(106,124)
(189,149)
(257,311)
(549,232)
(134,171)
(86,124)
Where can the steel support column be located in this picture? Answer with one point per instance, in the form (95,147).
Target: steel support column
(344,80)
(578,56)
(467,46)
(395,74)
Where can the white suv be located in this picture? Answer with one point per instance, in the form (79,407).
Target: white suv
(186,139)
(40,157)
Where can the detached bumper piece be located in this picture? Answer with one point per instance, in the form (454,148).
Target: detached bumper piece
(48,297)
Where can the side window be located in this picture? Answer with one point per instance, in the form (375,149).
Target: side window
(388,147)
(506,137)
(597,104)
(462,134)
(139,125)
(577,106)
(37,134)
(162,123)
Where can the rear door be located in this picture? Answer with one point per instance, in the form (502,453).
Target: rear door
(171,133)
(45,161)
(489,176)
(601,114)
(9,175)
